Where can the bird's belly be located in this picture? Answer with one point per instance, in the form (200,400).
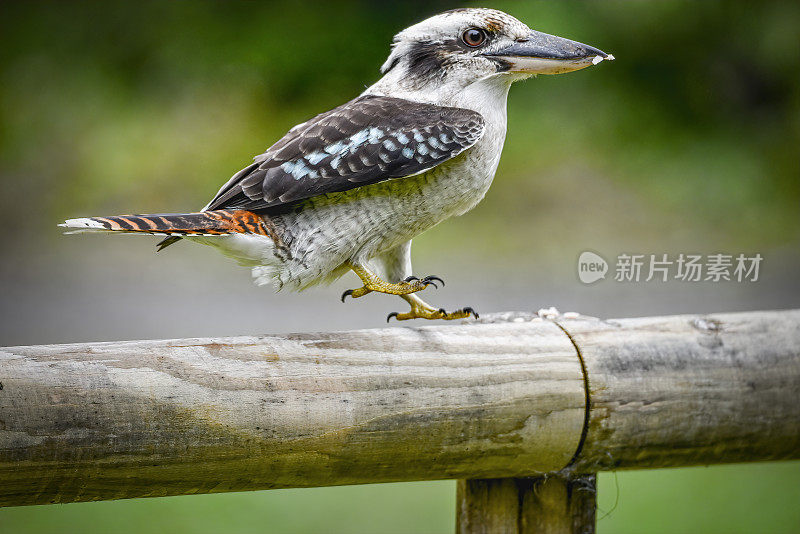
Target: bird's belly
(358,224)
(378,217)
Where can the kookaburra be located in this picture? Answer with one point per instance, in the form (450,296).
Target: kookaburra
(350,188)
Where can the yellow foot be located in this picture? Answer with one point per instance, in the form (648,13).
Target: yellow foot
(412,284)
(423,310)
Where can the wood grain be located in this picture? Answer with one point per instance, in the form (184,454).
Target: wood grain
(690,390)
(131,419)
(476,401)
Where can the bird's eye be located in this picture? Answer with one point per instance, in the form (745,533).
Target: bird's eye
(473,37)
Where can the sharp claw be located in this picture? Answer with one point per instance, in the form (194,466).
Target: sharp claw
(393,314)
(348,292)
(434,277)
(442,311)
(469,310)
(429,283)
(410,278)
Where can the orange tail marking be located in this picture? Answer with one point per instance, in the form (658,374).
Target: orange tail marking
(219,222)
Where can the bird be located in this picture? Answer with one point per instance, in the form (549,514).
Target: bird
(349,189)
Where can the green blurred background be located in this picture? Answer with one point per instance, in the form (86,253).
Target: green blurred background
(687,143)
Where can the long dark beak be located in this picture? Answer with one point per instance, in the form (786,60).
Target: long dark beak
(542,53)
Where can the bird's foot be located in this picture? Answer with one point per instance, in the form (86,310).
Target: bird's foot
(412,284)
(422,310)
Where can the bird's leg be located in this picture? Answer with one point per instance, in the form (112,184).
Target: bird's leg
(422,310)
(372,282)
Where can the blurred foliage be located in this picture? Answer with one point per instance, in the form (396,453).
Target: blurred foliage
(690,137)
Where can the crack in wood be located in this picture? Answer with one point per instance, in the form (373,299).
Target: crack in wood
(588,397)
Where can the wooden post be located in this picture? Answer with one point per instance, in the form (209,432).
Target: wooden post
(552,504)
(661,391)
(101,421)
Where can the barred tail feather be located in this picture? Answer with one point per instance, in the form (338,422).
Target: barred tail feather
(174,225)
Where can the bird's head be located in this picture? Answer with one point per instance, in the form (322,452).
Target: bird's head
(459,47)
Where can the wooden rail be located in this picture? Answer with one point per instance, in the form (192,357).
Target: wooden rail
(512,396)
